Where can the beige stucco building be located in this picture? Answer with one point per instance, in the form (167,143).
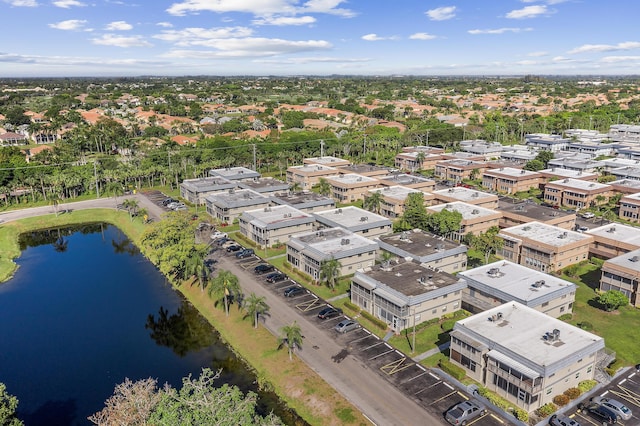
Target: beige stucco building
(327,161)
(271,226)
(475,219)
(457,170)
(351,187)
(308,175)
(410,181)
(466,195)
(577,194)
(630,208)
(227,206)
(356,220)
(196,191)
(523,355)
(514,214)
(622,273)
(394,199)
(613,239)
(509,180)
(416,160)
(544,247)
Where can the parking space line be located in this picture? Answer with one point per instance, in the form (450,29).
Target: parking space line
(382,354)
(585,418)
(309,305)
(477,419)
(413,378)
(448,385)
(627,394)
(362,338)
(463,395)
(434,376)
(421,367)
(441,398)
(497,418)
(372,346)
(395,366)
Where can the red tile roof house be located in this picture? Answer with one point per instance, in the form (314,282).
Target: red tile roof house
(184,140)
(11,138)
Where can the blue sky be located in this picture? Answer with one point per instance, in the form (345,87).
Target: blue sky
(318,37)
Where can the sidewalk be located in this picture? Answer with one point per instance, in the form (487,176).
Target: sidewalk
(431,352)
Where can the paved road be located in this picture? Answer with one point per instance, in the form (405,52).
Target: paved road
(376,398)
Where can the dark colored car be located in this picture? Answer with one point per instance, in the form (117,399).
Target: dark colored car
(168,201)
(276,277)
(328,312)
(602,413)
(234,248)
(293,291)
(244,253)
(263,268)
(562,420)
(463,412)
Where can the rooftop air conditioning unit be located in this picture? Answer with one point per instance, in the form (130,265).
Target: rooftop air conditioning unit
(494,272)
(364,219)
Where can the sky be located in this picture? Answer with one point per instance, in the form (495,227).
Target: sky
(108,38)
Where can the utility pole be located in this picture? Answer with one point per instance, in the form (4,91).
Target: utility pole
(95,175)
(364,144)
(255,168)
(321,148)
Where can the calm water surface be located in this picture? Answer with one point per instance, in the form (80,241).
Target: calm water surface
(84,311)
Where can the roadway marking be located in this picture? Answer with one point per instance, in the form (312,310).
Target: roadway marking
(382,354)
(434,376)
(309,305)
(448,385)
(394,367)
(463,395)
(497,418)
(373,346)
(440,399)
(627,394)
(414,377)
(362,338)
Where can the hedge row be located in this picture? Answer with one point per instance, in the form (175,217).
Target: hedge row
(376,321)
(452,369)
(505,405)
(352,307)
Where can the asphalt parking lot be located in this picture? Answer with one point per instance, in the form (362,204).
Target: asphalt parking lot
(422,385)
(626,389)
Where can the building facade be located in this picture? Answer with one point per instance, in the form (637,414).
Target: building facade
(273,226)
(508,180)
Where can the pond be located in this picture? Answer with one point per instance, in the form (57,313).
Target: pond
(84,311)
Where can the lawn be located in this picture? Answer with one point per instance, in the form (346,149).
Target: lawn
(620,329)
(427,338)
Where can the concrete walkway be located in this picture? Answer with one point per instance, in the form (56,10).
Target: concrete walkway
(431,352)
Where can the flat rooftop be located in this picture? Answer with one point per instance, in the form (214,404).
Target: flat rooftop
(206,184)
(417,243)
(629,171)
(619,232)
(414,155)
(396,192)
(326,160)
(511,172)
(575,163)
(277,217)
(582,185)
(468,211)
(516,282)
(411,279)
(235,173)
(310,168)
(460,193)
(264,185)
(406,179)
(519,334)
(350,179)
(363,168)
(351,218)
(331,242)
(629,260)
(567,173)
(304,199)
(531,210)
(634,197)
(545,234)
(237,198)
(626,183)
(458,162)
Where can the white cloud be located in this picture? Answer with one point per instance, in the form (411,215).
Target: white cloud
(537,54)
(249,47)
(121,41)
(22,3)
(499,31)
(528,12)
(422,36)
(285,20)
(118,26)
(616,59)
(66,4)
(627,45)
(544,1)
(311,60)
(526,62)
(70,25)
(165,24)
(376,37)
(441,13)
(262,8)
(200,36)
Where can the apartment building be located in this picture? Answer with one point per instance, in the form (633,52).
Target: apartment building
(265,186)
(544,247)
(350,187)
(308,250)
(523,355)
(475,219)
(522,212)
(622,273)
(625,186)
(457,170)
(368,170)
(235,173)
(196,191)
(356,220)
(547,142)
(308,175)
(394,199)
(410,181)
(327,161)
(630,208)
(613,239)
(428,250)
(272,226)
(227,206)
(416,160)
(466,195)
(627,172)
(304,200)
(509,180)
(576,164)
(404,293)
(577,194)
(500,282)
(555,173)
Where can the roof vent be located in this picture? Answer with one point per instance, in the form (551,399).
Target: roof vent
(552,336)
(634,259)
(475,194)
(404,235)
(538,284)
(612,229)
(339,211)
(475,211)
(494,272)
(496,317)
(523,172)
(345,242)
(364,219)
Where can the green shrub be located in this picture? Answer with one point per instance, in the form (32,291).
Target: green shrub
(352,307)
(521,415)
(495,399)
(585,325)
(572,393)
(452,369)
(587,385)
(561,400)
(448,325)
(613,367)
(376,321)
(565,317)
(547,409)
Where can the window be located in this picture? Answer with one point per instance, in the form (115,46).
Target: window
(545,304)
(561,308)
(549,391)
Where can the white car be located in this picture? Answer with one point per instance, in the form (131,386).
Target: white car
(217,235)
(587,215)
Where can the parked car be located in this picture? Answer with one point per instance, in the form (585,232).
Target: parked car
(276,277)
(346,326)
(602,413)
(217,235)
(234,248)
(168,201)
(244,253)
(562,420)
(622,411)
(328,312)
(583,228)
(463,412)
(293,291)
(263,268)
(587,215)
(180,207)
(172,205)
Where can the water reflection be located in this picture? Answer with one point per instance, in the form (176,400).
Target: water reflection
(182,332)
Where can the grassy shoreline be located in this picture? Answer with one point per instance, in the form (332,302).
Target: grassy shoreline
(295,383)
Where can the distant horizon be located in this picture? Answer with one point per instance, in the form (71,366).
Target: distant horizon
(104,38)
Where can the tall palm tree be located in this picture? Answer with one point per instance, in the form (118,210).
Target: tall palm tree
(131,205)
(292,338)
(227,285)
(374,201)
(115,189)
(324,187)
(329,272)
(255,306)
(196,267)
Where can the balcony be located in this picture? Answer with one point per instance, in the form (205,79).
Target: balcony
(526,385)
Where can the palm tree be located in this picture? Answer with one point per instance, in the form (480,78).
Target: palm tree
(115,189)
(227,285)
(131,205)
(329,272)
(324,187)
(196,267)
(374,201)
(55,202)
(255,306)
(420,159)
(292,338)
(294,187)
